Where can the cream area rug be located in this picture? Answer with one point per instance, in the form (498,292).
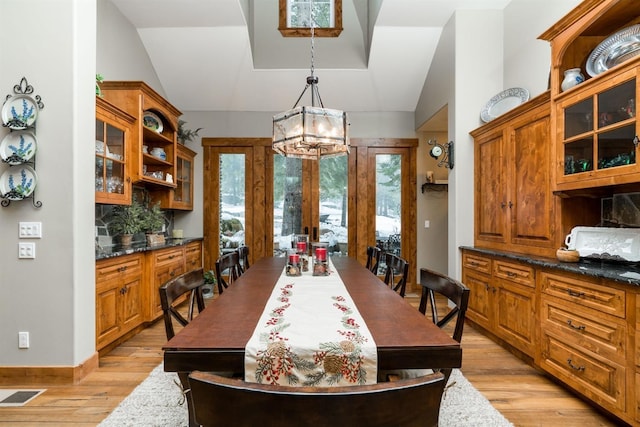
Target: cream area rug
(157,401)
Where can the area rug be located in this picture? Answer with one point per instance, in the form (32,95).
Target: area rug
(157,401)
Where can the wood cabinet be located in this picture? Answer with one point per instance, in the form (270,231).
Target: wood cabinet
(153,145)
(584,331)
(164,264)
(596,120)
(180,197)
(127,296)
(512,175)
(502,299)
(114,129)
(119,288)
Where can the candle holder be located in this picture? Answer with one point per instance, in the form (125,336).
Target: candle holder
(320,263)
(293,265)
(300,243)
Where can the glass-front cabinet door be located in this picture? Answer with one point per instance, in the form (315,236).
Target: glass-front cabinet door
(597,133)
(113,130)
(183,193)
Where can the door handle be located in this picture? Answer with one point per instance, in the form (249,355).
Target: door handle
(315,233)
(306,231)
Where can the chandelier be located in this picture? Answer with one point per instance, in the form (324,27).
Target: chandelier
(311,132)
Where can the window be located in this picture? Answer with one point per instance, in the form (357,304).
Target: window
(295,18)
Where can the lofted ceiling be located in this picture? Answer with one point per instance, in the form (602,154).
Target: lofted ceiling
(227,55)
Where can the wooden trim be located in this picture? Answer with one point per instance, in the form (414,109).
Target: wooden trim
(48,374)
(334,31)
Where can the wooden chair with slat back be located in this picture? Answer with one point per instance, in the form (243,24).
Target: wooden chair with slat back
(373,258)
(228,269)
(220,401)
(396,267)
(190,282)
(457,293)
(243,254)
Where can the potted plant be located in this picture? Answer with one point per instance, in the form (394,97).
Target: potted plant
(209,281)
(186,135)
(152,222)
(126,220)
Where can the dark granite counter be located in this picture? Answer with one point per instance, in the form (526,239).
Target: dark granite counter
(118,250)
(628,273)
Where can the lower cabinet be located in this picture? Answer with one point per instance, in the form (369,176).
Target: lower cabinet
(502,299)
(127,295)
(164,265)
(582,330)
(118,297)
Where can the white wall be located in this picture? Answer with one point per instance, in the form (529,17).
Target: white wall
(52,44)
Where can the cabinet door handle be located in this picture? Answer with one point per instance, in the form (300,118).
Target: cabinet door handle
(123,290)
(574,367)
(503,205)
(575,294)
(577,328)
(511,274)
(510,204)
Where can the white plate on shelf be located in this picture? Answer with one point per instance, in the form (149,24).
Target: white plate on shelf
(503,102)
(615,49)
(19,112)
(152,121)
(18,147)
(18,183)
(621,244)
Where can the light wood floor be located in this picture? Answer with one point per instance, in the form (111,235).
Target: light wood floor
(522,394)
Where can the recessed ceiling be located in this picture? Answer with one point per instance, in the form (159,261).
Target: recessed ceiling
(227,55)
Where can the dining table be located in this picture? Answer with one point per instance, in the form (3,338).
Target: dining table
(215,340)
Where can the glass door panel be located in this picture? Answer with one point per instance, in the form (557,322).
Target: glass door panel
(388,204)
(310,198)
(232,198)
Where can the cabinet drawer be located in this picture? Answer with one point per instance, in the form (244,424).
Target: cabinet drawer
(113,268)
(168,256)
(585,294)
(518,273)
(593,332)
(595,377)
(193,256)
(477,263)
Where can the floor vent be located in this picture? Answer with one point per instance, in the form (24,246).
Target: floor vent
(17,397)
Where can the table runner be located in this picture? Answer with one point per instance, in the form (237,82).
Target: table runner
(311,334)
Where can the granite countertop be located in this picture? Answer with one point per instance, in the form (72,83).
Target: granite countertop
(118,250)
(628,273)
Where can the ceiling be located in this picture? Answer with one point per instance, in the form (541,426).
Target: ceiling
(227,55)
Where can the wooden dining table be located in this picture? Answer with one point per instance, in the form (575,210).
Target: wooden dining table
(215,340)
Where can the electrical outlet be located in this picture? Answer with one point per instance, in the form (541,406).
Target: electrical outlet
(427,223)
(23,339)
(26,250)
(30,230)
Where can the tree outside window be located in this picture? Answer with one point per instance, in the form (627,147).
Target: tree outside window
(296,19)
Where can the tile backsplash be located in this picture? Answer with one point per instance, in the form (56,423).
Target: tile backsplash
(621,210)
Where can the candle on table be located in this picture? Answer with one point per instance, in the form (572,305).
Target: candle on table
(321,254)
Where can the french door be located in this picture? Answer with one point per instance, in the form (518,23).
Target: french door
(255,197)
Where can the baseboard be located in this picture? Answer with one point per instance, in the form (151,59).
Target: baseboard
(25,375)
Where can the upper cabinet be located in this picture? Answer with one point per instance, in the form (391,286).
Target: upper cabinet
(114,129)
(153,143)
(180,197)
(596,126)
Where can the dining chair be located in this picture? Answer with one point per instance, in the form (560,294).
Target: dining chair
(243,254)
(228,269)
(373,258)
(397,270)
(170,292)
(220,401)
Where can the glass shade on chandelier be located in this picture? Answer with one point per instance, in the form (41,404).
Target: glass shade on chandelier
(311,133)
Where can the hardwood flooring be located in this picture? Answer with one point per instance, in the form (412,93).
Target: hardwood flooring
(522,394)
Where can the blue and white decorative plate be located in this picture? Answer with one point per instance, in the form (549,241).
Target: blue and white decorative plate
(152,121)
(19,112)
(18,183)
(18,147)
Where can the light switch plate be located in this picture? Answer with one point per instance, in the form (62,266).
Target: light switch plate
(26,250)
(30,230)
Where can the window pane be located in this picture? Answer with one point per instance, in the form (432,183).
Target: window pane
(388,207)
(287,201)
(298,15)
(232,201)
(333,203)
